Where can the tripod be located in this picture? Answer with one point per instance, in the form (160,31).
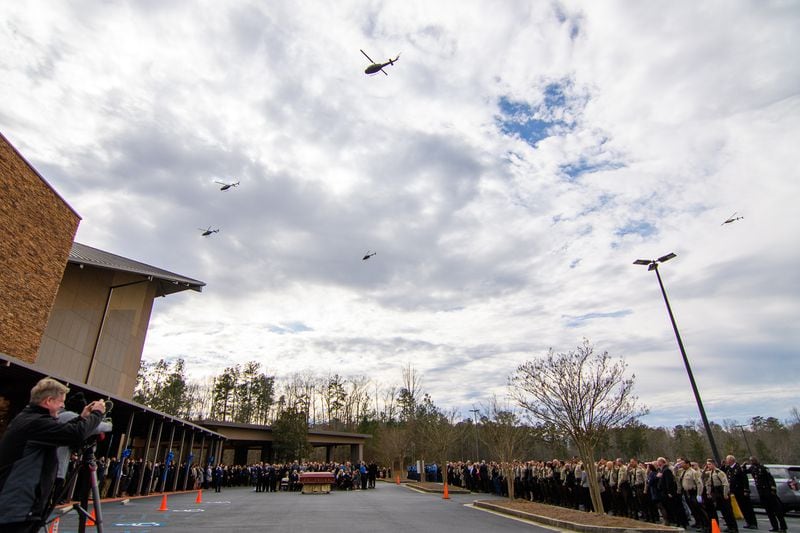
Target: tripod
(88,465)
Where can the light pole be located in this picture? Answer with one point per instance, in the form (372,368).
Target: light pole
(749,451)
(475,418)
(652,264)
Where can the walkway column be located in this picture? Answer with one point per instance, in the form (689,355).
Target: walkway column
(356,453)
(178,460)
(163,480)
(123,446)
(329,453)
(146,456)
(189,458)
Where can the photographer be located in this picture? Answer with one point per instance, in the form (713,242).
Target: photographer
(28,460)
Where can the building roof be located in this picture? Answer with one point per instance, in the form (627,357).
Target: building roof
(18,377)
(168,282)
(311,431)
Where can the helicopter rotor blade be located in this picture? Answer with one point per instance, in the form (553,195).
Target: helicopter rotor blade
(365,55)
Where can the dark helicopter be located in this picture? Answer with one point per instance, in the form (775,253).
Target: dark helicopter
(732,218)
(226,186)
(368,255)
(374,68)
(208,231)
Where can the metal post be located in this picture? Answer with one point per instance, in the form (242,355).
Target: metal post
(189,464)
(146,457)
(749,451)
(689,371)
(166,458)
(178,461)
(475,418)
(155,456)
(127,440)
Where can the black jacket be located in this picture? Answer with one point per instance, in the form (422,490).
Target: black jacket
(28,460)
(737,478)
(765,483)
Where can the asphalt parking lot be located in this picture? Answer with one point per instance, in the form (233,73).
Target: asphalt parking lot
(388,508)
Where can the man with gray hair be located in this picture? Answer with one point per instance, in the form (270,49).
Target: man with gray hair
(28,459)
(740,488)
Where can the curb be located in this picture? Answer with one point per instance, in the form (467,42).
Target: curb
(563,524)
(436,490)
(122,498)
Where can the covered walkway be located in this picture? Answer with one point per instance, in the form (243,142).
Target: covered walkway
(250,443)
(149,435)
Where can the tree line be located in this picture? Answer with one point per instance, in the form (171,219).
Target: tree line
(406,424)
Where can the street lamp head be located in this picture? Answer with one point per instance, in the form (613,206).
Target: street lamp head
(652,264)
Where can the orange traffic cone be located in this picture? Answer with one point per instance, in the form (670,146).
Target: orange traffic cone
(164,503)
(91,519)
(398,479)
(714,526)
(54,526)
(199,496)
(446,495)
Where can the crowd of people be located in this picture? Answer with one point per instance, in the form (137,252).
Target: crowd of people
(674,493)
(682,493)
(135,477)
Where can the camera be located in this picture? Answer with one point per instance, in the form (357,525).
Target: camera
(106,425)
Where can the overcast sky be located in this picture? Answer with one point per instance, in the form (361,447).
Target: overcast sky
(507,172)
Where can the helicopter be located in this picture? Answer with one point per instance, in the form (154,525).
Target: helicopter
(374,68)
(732,218)
(226,186)
(208,231)
(368,255)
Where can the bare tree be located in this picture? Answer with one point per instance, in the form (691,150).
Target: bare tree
(505,437)
(437,432)
(582,394)
(409,393)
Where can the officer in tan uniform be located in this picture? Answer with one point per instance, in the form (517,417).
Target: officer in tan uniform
(690,483)
(717,487)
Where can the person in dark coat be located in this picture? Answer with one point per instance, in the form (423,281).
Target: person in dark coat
(768,494)
(28,459)
(670,505)
(740,488)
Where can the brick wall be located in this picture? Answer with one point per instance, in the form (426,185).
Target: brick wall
(36,232)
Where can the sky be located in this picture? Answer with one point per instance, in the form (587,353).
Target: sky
(516,160)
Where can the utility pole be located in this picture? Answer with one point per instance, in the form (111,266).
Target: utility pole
(475,418)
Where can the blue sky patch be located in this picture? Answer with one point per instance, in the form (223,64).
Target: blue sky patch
(289,328)
(637,227)
(577,321)
(534,123)
(519,119)
(579,168)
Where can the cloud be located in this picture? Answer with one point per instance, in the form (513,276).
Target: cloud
(507,172)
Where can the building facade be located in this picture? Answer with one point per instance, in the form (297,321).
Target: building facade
(38,228)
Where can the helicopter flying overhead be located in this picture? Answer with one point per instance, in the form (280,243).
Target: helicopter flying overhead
(732,218)
(368,255)
(226,186)
(208,231)
(374,68)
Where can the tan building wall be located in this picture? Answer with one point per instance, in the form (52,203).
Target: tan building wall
(37,232)
(68,343)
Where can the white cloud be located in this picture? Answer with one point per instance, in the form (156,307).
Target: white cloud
(490,250)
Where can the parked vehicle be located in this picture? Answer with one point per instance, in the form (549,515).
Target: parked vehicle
(787,480)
